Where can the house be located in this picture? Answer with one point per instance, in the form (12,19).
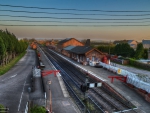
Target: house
(146,43)
(68,42)
(86,54)
(132,43)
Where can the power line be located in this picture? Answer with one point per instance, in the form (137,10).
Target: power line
(77,13)
(74,18)
(71,22)
(74,25)
(69,9)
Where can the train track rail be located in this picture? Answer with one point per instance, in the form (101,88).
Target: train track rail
(99,98)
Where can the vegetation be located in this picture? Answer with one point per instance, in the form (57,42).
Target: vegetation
(137,64)
(10,47)
(124,50)
(106,48)
(1,108)
(38,109)
(139,51)
(5,68)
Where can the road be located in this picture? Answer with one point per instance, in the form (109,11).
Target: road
(14,84)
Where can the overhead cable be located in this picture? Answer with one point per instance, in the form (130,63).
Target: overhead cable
(73,25)
(75,18)
(78,13)
(19,6)
(43,21)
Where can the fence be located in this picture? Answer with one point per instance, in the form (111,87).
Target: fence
(132,78)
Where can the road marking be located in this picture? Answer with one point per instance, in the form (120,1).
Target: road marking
(22,93)
(13,76)
(9,77)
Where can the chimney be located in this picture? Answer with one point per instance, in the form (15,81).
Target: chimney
(87,43)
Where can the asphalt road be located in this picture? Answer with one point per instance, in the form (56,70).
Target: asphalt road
(14,84)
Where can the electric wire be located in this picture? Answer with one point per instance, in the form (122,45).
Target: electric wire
(76,18)
(71,22)
(96,20)
(69,9)
(77,13)
(74,25)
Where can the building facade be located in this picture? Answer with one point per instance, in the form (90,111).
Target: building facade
(146,43)
(68,42)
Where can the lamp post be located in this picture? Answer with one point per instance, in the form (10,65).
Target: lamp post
(49,83)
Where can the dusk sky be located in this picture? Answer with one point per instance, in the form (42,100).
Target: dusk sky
(106,20)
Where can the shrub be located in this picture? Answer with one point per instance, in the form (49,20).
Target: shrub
(38,109)
(1,106)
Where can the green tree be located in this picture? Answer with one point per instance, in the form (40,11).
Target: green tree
(139,51)
(2,49)
(38,109)
(2,110)
(145,55)
(106,48)
(124,49)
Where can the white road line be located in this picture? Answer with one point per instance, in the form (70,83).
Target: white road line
(22,94)
(9,77)
(13,76)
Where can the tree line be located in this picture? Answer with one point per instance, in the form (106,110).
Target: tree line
(124,49)
(10,46)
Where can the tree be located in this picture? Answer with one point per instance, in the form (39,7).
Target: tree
(145,55)
(38,109)
(2,49)
(139,51)
(124,49)
(2,110)
(106,48)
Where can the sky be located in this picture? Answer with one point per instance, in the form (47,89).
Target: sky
(104,20)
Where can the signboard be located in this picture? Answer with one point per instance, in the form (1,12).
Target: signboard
(119,71)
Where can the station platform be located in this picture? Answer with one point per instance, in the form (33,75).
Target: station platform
(54,87)
(131,95)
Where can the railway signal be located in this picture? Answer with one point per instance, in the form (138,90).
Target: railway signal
(84,87)
(91,85)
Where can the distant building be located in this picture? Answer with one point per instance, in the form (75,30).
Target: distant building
(132,43)
(68,42)
(146,43)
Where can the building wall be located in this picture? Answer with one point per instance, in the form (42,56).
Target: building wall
(91,56)
(66,53)
(72,42)
(94,56)
(133,43)
(146,46)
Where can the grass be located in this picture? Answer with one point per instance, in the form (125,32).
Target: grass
(4,69)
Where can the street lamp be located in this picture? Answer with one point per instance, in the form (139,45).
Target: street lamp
(49,83)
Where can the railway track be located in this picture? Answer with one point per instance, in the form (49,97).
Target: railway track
(99,98)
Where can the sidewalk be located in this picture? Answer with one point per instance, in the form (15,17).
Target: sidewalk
(61,101)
